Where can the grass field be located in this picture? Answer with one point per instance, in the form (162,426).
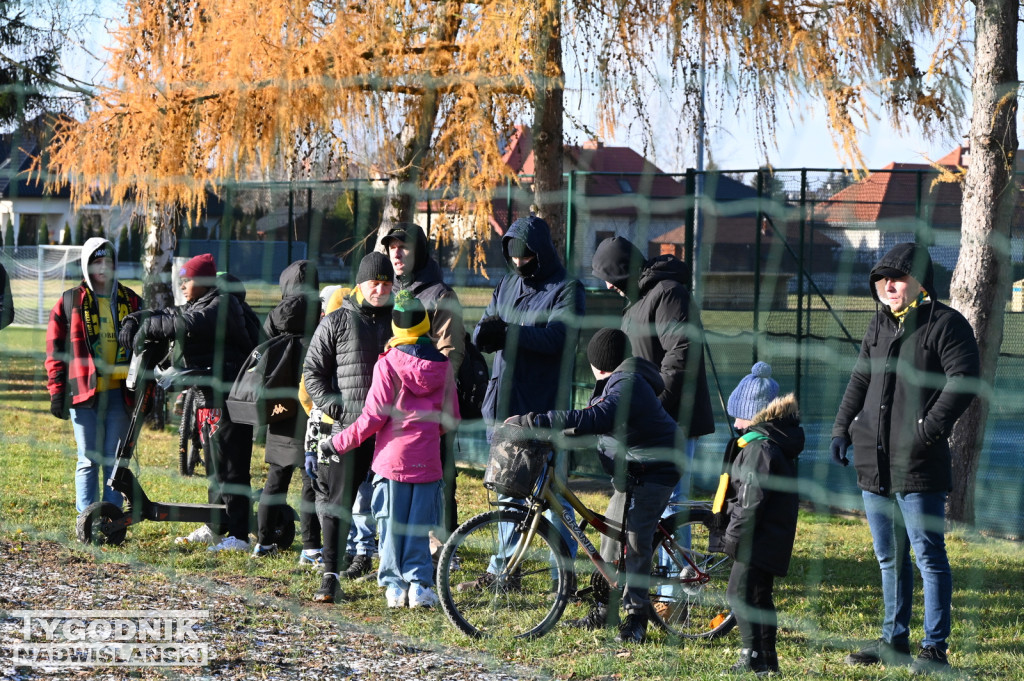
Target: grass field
(829,602)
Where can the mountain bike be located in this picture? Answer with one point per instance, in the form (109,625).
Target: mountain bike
(508,571)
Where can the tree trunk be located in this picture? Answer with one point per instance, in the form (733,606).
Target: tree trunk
(981,281)
(547,125)
(414,141)
(157,256)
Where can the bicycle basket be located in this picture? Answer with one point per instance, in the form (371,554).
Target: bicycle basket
(516,461)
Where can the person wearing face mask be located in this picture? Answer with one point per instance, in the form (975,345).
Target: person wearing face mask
(761,504)
(86,367)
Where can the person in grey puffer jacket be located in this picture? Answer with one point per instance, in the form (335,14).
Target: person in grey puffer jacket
(916,374)
(338,372)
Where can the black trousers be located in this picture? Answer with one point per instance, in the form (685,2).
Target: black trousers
(274,500)
(227,448)
(450,510)
(750,596)
(335,489)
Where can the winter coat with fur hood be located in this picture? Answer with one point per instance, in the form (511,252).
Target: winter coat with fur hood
(762,503)
(912,381)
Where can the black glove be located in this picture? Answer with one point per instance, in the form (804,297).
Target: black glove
(130,326)
(490,334)
(57,406)
(838,450)
(523,421)
(326,450)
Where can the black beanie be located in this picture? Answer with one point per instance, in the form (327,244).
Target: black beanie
(408,311)
(517,248)
(375,267)
(608,349)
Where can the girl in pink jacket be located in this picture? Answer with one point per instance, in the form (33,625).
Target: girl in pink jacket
(411,402)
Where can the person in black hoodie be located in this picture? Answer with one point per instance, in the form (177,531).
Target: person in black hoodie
(416,271)
(208,337)
(636,448)
(761,505)
(298,313)
(6,300)
(916,374)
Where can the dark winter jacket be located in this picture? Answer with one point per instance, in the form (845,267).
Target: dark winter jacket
(426,282)
(339,364)
(208,333)
(297,313)
(70,347)
(911,383)
(625,411)
(543,311)
(6,299)
(663,326)
(762,502)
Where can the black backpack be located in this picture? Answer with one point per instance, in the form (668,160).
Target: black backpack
(471,383)
(266,388)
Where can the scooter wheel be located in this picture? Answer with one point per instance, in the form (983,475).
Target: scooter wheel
(98,524)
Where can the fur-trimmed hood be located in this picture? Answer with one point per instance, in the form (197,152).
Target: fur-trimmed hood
(780,423)
(782,407)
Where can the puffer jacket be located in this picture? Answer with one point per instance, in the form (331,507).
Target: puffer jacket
(663,326)
(543,312)
(911,383)
(339,364)
(762,503)
(411,403)
(297,313)
(625,411)
(203,333)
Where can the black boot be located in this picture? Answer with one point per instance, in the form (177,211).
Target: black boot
(633,629)
(597,618)
(761,663)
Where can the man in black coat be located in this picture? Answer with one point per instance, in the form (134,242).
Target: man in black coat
(6,300)
(338,372)
(914,377)
(214,341)
(415,270)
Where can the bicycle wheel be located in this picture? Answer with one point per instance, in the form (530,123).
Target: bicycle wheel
(190,449)
(525,603)
(688,597)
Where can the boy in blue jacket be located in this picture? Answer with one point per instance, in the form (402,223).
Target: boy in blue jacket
(637,445)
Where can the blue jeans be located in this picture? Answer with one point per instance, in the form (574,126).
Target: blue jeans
(362,535)
(899,523)
(405,514)
(97,430)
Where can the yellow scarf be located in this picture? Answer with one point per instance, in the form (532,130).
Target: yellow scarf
(921,297)
(419,334)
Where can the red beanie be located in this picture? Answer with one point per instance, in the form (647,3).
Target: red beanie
(199,266)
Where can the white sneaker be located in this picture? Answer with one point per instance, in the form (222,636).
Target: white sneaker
(230,544)
(202,535)
(422,596)
(396,596)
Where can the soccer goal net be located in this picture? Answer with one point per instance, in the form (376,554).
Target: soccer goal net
(39,274)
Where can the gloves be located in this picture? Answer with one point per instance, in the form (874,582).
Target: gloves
(838,450)
(490,334)
(327,450)
(523,421)
(311,465)
(57,406)
(130,326)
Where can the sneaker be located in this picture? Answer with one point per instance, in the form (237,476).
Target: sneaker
(330,589)
(201,535)
(930,661)
(761,663)
(264,551)
(880,652)
(314,557)
(230,544)
(397,596)
(421,596)
(633,629)
(359,566)
(593,620)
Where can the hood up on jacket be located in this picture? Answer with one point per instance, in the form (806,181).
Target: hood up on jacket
(299,309)
(426,369)
(537,235)
(90,247)
(780,422)
(905,259)
(618,262)
(300,279)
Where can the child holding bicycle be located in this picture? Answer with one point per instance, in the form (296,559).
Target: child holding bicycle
(637,443)
(411,402)
(761,504)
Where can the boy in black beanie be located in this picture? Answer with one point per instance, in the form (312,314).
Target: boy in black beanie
(637,444)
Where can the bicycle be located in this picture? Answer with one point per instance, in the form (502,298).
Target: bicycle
(532,585)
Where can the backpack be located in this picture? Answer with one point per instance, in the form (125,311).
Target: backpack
(471,383)
(266,388)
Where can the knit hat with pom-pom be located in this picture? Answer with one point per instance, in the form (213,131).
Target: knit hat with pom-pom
(753,393)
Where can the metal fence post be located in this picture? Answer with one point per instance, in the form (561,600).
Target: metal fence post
(757,263)
(800,284)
